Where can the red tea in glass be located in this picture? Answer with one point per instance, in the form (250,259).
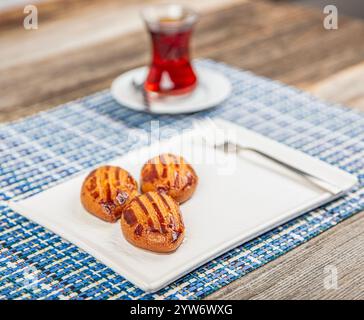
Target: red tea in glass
(170,28)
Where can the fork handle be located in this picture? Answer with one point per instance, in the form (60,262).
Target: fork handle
(317,181)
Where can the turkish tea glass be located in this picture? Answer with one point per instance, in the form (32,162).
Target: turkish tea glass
(170,27)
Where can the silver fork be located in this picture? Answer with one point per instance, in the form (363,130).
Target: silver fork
(323,184)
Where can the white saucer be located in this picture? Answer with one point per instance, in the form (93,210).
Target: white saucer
(212,88)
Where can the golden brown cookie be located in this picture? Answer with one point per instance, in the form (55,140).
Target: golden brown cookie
(169,174)
(106,191)
(153,221)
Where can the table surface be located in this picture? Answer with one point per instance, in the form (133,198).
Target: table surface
(81,46)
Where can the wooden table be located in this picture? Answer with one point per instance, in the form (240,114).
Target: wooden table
(81,46)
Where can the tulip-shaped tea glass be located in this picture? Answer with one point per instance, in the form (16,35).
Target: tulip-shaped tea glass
(170,27)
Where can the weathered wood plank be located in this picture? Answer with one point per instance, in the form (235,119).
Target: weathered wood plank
(69,25)
(255,35)
(345,87)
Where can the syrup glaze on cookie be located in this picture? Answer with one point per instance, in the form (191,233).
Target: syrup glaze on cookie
(170,174)
(153,221)
(106,191)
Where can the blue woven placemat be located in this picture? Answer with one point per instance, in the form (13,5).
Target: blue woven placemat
(40,151)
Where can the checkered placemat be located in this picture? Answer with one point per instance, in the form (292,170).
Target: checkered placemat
(40,151)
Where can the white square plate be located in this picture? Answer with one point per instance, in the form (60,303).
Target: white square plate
(237,199)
